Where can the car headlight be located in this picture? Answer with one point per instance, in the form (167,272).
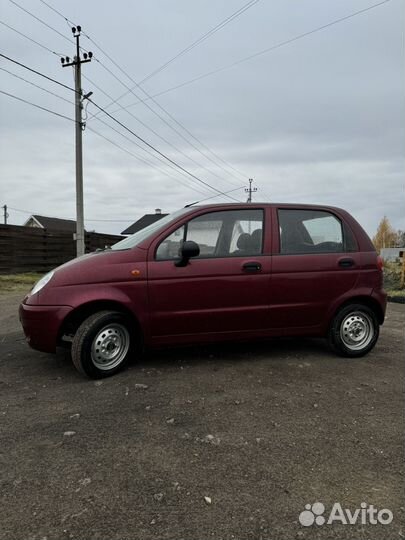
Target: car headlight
(42,282)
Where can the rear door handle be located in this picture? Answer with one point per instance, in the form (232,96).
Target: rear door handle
(346,263)
(252,267)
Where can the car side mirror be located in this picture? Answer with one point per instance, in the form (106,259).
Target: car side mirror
(188,250)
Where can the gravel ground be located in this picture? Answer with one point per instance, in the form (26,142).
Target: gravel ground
(224,442)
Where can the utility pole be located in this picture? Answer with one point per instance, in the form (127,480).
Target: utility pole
(79,126)
(250,190)
(5,214)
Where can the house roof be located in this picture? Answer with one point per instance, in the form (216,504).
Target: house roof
(143,222)
(55,223)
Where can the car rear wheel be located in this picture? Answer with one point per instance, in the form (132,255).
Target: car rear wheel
(354,331)
(103,344)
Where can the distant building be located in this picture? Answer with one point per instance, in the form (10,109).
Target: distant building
(144,221)
(391,254)
(51,223)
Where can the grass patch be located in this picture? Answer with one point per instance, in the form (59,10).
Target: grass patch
(392,282)
(396,296)
(18,282)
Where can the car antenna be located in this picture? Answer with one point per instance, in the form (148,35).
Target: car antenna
(191,204)
(213,197)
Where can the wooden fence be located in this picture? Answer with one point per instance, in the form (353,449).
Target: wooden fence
(30,249)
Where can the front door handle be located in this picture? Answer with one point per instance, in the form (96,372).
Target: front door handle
(252,267)
(347,262)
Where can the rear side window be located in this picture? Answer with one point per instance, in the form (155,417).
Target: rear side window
(309,231)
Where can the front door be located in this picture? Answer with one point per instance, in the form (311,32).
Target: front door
(225,289)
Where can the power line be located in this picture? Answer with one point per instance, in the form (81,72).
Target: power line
(69,218)
(158,151)
(159,116)
(202,38)
(117,131)
(53,112)
(163,155)
(108,220)
(36,85)
(40,20)
(48,78)
(35,105)
(146,150)
(37,72)
(231,17)
(30,39)
(147,162)
(58,13)
(166,141)
(202,144)
(99,88)
(87,78)
(264,51)
(259,53)
(133,155)
(194,44)
(60,55)
(164,121)
(108,70)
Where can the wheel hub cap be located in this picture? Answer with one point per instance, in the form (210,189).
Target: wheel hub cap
(357,330)
(110,346)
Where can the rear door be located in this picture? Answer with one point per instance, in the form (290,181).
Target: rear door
(225,289)
(315,262)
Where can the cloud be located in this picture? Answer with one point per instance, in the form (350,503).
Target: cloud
(320,120)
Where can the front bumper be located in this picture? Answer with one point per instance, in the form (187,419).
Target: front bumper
(41,325)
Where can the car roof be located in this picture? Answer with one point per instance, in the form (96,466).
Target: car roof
(265,204)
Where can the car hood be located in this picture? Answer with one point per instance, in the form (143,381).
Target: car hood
(100,267)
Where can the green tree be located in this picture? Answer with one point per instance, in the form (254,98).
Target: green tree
(385,235)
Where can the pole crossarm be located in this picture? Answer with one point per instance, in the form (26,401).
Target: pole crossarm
(250,190)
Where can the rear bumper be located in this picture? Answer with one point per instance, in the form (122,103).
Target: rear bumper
(41,325)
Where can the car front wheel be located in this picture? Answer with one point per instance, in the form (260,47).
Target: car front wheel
(354,330)
(103,344)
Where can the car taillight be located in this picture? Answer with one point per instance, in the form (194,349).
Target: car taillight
(380,263)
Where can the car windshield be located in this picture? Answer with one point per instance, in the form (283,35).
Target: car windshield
(138,237)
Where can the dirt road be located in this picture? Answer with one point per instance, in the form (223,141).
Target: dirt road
(219,442)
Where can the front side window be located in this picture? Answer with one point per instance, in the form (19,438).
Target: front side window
(309,231)
(170,247)
(231,233)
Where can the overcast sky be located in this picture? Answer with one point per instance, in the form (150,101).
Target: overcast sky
(317,120)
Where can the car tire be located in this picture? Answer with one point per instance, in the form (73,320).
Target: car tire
(354,331)
(103,344)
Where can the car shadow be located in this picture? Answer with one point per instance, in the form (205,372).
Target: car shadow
(269,349)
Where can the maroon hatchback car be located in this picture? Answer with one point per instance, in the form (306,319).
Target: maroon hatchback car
(210,273)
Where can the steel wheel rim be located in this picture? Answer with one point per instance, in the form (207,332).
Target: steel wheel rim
(110,346)
(357,330)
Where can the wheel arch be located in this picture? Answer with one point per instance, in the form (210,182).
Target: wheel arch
(75,318)
(368,301)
